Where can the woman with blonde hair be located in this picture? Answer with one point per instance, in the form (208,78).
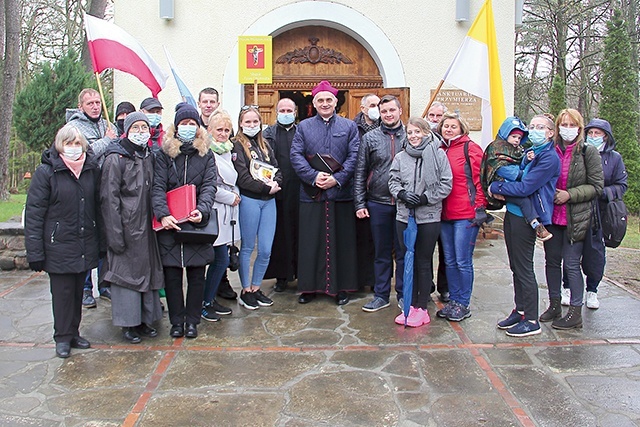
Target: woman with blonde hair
(580,182)
(259,181)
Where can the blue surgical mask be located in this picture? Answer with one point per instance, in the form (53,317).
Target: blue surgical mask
(187,132)
(537,137)
(286,118)
(140,139)
(597,141)
(568,134)
(154,119)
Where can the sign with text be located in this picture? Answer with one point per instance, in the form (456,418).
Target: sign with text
(468,106)
(254,55)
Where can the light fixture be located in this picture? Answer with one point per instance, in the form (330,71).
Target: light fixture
(166,9)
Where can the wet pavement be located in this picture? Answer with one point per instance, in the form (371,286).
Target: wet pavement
(323,365)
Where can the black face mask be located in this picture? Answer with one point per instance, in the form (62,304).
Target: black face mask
(120,126)
(96,120)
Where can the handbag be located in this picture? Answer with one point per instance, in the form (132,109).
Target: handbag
(234,259)
(198,233)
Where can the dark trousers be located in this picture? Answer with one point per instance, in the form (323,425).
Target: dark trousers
(593,260)
(562,258)
(442,284)
(88,282)
(385,241)
(66,301)
(423,260)
(178,312)
(520,240)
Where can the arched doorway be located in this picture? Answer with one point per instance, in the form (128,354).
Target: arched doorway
(306,55)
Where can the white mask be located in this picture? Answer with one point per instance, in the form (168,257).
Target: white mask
(433,125)
(140,139)
(373,113)
(72,153)
(568,134)
(250,131)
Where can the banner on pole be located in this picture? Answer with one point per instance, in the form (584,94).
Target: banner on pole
(254,56)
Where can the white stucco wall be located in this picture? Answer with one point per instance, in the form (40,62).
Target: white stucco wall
(422,37)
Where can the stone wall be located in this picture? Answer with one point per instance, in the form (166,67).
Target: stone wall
(13,254)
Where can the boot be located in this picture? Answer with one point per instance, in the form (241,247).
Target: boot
(553,312)
(572,320)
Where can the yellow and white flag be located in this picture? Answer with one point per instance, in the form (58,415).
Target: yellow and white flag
(476,69)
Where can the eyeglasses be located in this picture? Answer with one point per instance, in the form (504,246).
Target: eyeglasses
(246,107)
(138,128)
(538,127)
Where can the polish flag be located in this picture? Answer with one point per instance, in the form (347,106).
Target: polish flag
(112,47)
(476,69)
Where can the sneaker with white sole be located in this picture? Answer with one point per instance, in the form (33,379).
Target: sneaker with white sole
(592,301)
(565,294)
(401,303)
(262,299)
(374,305)
(524,328)
(512,320)
(248,301)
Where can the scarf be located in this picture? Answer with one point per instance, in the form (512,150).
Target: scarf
(75,166)
(221,147)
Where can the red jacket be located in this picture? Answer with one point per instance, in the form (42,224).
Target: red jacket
(458,204)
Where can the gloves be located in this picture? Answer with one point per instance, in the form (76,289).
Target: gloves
(410,198)
(36,265)
(423,200)
(481,217)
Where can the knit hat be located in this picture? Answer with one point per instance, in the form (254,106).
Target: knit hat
(324,86)
(149,103)
(185,111)
(136,116)
(516,131)
(124,107)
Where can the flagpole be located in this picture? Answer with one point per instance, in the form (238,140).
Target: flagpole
(433,98)
(104,104)
(255,92)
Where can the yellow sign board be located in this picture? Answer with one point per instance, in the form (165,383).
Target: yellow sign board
(254,56)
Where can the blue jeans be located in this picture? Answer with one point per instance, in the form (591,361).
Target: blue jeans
(257,220)
(458,242)
(215,272)
(386,245)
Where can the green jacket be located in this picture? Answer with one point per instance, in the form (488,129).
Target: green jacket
(584,184)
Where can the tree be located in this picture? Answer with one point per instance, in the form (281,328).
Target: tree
(10,26)
(40,107)
(557,95)
(619,104)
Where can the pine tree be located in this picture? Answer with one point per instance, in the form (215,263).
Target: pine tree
(619,104)
(39,109)
(557,95)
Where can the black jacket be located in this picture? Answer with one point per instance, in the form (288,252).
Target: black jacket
(375,154)
(174,168)
(62,216)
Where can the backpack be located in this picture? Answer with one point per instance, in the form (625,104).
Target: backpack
(614,223)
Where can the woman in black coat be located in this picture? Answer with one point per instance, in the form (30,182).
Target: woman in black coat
(61,230)
(185,158)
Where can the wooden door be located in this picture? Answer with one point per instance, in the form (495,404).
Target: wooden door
(402,93)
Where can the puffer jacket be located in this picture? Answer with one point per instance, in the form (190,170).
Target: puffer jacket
(94,132)
(422,170)
(62,216)
(338,137)
(371,178)
(125,195)
(176,166)
(584,183)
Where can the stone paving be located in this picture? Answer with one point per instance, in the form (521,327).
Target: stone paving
(322,365)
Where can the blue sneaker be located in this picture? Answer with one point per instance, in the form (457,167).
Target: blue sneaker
(374,305)
(512,320)
(458,312)
(445,311)
(524,328)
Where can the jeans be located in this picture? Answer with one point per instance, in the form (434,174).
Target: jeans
(563,257)
(257,220)
(88,282)
(215,272)
(520,240)
(458,242)
(385,242)
(423,261)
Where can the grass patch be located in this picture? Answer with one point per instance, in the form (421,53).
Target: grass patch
(632,238)
(12,208)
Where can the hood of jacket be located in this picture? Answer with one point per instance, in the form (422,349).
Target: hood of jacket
(171,144)
(510,124)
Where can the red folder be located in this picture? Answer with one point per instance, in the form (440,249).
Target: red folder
(181,202)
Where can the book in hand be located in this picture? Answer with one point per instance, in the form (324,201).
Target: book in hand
(322,163)
(181,202)
(262,171)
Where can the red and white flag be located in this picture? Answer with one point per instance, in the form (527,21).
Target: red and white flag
(112,47)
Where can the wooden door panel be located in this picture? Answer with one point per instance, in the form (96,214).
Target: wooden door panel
(402,93)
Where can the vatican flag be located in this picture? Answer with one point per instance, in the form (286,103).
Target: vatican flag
(476,69)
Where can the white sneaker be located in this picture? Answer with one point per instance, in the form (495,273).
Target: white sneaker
(565,296)
(592,300)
